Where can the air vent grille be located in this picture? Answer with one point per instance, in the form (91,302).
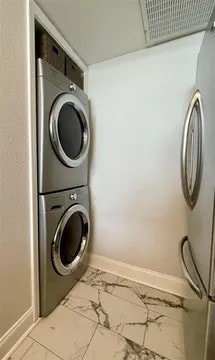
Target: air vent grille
(168,19)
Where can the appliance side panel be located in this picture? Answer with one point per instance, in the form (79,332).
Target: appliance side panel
(212,268)
(195,312)
(201,217)
(210,334)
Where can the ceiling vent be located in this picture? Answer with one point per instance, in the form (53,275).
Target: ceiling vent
(169,19)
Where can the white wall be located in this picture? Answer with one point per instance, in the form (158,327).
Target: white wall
(138,103)
(15,258)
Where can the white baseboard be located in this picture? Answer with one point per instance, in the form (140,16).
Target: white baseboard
(164,282)
(15,334)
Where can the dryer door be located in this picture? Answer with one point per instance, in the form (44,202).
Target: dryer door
(69,130)
(71,240)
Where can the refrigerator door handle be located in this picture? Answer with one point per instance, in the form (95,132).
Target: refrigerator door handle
(191,160)
(191,198)
(185,270)
(184,151)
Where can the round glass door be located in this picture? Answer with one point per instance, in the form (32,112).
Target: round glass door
(69,130)
(71,240)
(191,152)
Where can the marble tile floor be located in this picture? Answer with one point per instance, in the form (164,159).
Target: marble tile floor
(105,317)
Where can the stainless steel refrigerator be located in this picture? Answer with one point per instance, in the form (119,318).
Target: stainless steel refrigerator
(197,249)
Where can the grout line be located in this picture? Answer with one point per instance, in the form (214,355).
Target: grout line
(139,283)
(115,296)
(130,302)
(160,355)
(98,323)
(126,338)
(51,351)
(119,278)
(146,327)
(114,285)
(90,341)
(84,316)
(24,352)
(144,306)
(168,317)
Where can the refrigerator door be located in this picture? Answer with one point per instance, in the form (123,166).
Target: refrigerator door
(210,333)
(195,304)
(201,213)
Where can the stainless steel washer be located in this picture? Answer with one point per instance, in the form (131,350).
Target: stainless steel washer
(63,131)
(64,229)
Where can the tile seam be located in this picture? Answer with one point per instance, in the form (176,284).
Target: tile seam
(129,301)
(45,347)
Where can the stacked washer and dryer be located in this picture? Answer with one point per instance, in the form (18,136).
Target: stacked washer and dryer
(63,147)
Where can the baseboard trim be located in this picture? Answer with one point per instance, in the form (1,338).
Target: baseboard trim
(15,334)
(164,282)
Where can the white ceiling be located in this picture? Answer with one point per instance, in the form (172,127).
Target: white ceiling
(97,29)
(102,29)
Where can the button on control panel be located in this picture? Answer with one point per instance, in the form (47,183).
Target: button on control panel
(73,196)
(72,87)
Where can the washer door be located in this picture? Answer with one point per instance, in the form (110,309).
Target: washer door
(69,130)
(71,239)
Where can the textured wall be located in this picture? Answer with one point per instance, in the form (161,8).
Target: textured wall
(15,271)
(138,104)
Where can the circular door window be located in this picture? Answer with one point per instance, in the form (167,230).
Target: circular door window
(69,130)
(70,240)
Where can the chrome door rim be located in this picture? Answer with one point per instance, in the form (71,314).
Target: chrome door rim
(59,266)
(53,128)
(191,199)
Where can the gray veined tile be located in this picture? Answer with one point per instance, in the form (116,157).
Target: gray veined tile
(99,279)
(165,336)
(110,311)
(107,345)
(38,352)
(65,333)
(162,302)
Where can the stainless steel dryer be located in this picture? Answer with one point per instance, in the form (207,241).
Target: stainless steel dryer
(63,131)
(64,229)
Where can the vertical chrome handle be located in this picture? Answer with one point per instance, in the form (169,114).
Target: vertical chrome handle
(191,160)
(186,273)
(190,195)
(197,184)
(184,155)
